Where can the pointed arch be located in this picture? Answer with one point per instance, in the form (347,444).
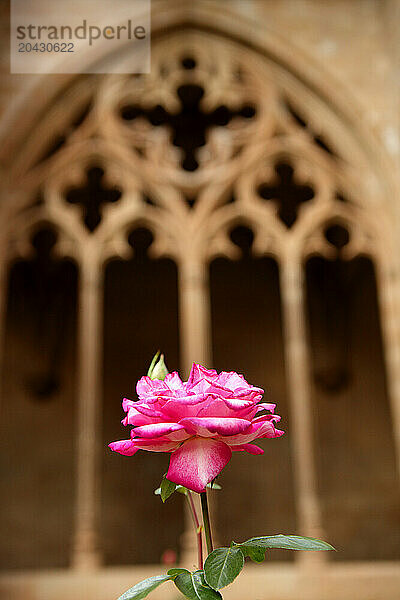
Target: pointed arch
(313,125)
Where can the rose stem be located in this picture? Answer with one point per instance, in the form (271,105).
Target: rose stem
(197,528)
(206,521)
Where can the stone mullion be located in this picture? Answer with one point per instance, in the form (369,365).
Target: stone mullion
(388,288)
(297,361)
(194,314)
(3,305)
(195,346)
(85,549)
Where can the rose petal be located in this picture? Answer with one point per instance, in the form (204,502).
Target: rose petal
(207,426)
(155,430)
(176,409)
(188,399)
(197,462)
(125,447)
(266,406)
(231,380)
(199,372)
(147,409)
(157,445)
(135,418)
(211,386)
(178,436)
(250,448)
(263,418)
(173,381)
(146,387)
(236,404)
(263,429)
(215,407)
(236,382)
(127,404)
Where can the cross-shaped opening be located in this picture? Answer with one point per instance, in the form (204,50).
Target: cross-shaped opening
(286,193)
(190,125)
(92,196)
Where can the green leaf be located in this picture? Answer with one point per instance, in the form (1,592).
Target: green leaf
(194,586)
(222,566)
(255,553)
(158,368)
(143,588)
(167,489)
(255,548)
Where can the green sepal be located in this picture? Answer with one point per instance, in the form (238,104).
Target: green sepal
(213,485)
(173,573)
(143,588)
(153,362)
(255,548)
(179,488)
(182,490)
(194,587)
(167,489)
(158,368)
(222,566)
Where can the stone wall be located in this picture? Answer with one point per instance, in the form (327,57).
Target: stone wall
(356,41)
(356,44)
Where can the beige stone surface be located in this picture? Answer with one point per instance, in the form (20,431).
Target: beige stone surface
(324,79)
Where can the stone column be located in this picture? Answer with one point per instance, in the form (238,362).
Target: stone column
(195,337)
(388,288)
(3,305)
(194,314)
(297,362)
(86,553)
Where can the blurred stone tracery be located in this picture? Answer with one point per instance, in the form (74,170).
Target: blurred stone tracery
(222,168)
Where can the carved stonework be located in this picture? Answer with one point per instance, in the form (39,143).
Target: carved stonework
(217,135)
(214,135)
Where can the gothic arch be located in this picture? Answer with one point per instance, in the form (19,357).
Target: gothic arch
(268,114)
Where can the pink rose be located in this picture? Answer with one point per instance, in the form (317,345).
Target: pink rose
(200,422)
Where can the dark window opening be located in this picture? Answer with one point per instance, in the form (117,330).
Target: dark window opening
(247,337)
(357,476)
(38,420)
(140,317)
